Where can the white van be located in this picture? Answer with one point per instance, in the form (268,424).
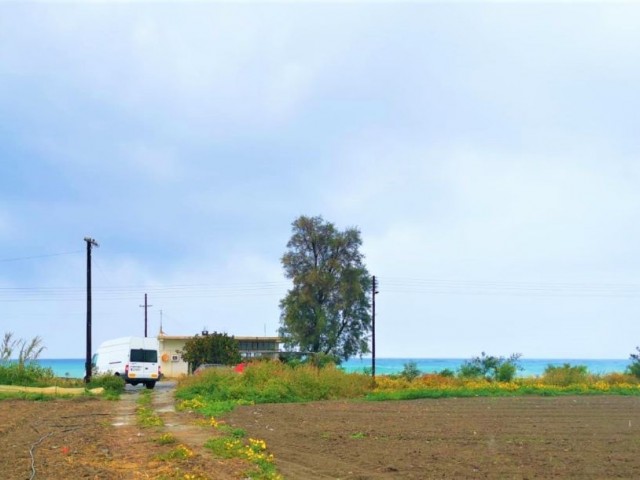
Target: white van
(135,359)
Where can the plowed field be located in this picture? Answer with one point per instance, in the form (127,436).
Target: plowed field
(523,437)
(526,437)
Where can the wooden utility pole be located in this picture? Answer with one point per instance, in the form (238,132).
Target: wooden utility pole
(145,314)
(373,327)
(88,367)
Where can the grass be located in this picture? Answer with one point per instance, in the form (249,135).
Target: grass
(145,415)
(26,375)
(272,382)
(33,375)
(166,439)
(436,386)
(181,452)
(218,391)
(232,444)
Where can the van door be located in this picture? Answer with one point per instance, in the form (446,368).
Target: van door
(143,364)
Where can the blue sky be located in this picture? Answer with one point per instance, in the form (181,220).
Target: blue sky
(488,152)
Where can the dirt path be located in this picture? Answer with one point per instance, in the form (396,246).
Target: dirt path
(99,439)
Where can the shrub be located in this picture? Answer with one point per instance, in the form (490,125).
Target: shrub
(565,375)
(28,374)
(410,371)
(491,368)
(634,368)
(111,383)
(447,373)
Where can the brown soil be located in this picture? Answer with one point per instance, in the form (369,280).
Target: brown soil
(86,438)
(530,437)
(524,437)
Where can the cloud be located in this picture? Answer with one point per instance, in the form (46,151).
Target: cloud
(468,142)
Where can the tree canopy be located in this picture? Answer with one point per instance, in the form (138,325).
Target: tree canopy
(327,310)
(213,347)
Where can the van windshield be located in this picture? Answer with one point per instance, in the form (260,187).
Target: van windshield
(141,355)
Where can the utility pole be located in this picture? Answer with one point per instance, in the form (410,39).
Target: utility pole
(145,314)
(90,243)
(373,327)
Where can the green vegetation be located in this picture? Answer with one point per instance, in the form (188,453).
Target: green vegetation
(217,348)
(565,375)
(27,351)
(498,369)
(37,397)
(23,370)
(113,385)
(410,371)
(26,374)
(328,309)
(181,452)
(268,382)
(166,439)
(220,390)
(145,414)
(634,368)
(231,445)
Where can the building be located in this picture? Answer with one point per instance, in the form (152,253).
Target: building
(170,346)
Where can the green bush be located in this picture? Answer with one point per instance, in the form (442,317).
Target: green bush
(27,374)
(447,372)
(491,368)
(565,375)
(111,383)
(410,371)
(634,368)
(506,372)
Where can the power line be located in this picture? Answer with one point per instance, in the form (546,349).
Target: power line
(32,257)
(392,285)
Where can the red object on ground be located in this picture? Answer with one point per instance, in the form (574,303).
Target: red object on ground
(239,367)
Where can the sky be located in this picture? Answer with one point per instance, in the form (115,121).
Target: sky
(487,151)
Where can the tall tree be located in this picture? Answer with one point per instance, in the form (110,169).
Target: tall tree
(214,347)
(328,309)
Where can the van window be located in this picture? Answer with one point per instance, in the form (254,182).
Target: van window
(141,355)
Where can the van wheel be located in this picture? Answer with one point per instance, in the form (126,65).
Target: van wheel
(150,385)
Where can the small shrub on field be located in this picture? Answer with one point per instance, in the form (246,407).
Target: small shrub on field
(565,375)
(634,368)
(447,372)
(410,371)
(491,368)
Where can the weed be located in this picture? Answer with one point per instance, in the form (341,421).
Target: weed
(145,415)
(166,439)
(181,452)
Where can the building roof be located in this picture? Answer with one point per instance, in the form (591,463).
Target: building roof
(164,336)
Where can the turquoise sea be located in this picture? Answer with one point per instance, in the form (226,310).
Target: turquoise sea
(530,367)
(74,367)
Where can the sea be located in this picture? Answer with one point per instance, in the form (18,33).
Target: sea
(74,367)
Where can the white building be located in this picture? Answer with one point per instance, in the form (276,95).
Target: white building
(170,346)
